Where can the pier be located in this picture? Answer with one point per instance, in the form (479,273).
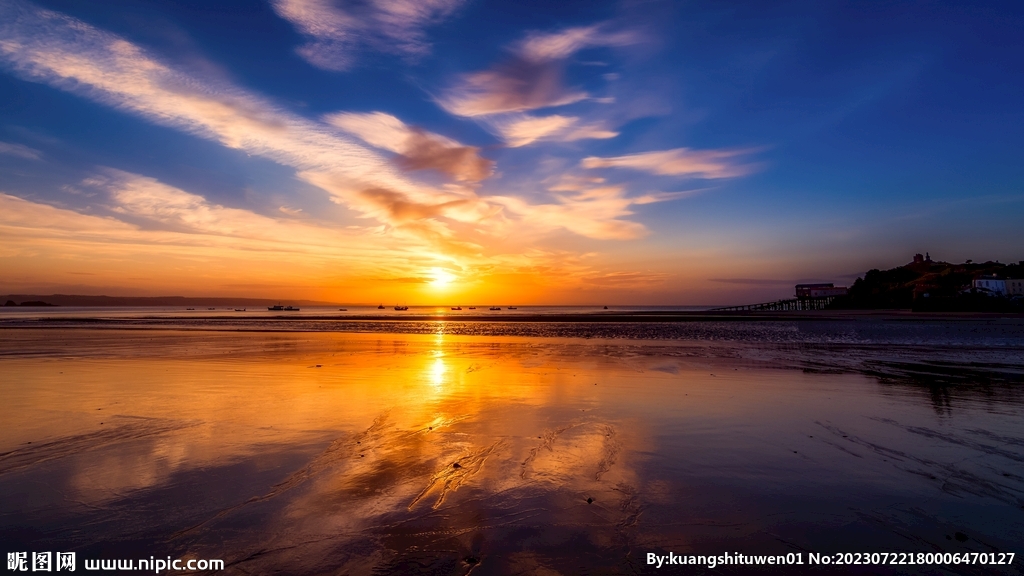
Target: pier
(818,303)
(808,297)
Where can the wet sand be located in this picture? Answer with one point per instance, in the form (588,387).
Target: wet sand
(383,453)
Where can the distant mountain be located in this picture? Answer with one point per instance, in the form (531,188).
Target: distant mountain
(926,285)
(80,300)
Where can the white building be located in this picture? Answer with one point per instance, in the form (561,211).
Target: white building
(1015,287)
(990,285)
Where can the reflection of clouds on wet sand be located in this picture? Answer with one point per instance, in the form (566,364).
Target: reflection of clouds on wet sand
(428,486)
(371,453)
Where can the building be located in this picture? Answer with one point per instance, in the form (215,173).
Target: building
(921,264)
(820,290)
(1015,287)
(918,259)
(990,285)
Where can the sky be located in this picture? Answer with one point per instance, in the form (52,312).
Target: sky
(470,151)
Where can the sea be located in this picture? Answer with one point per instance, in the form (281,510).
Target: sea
(535,441)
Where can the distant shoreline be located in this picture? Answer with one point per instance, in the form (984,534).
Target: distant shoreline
(87,301)
(57,320)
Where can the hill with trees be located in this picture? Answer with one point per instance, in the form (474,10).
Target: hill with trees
(926,285)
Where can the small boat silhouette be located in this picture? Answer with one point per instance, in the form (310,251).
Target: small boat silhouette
(513,308)
(381,307)
(401,307)
(472,307)
(495,308)
(284,308)
(456,307)
(342,309)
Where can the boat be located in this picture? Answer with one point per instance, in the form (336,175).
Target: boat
(284,308)
(456,307)
(605,307)
(211,308)
(381,307)
(472,307)
(495,308)
(513,308)
(401,307)
(239,309)
(342,309)
(189,308)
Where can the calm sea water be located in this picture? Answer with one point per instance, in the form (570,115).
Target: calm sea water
(868,330)
(314,311)
(393,447)
(306,452)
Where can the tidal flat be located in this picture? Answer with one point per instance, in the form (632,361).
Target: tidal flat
(325,452)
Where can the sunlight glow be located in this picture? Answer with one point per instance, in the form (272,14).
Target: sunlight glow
(441,277)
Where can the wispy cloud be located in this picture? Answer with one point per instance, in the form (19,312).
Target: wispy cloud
(337,31)
(592,218)
(349,156)
(417,149)
(655,197)
(53,48)
(159,232)
(532,76)
(20,151)
(541,46)
(521,129)
(62,51)
(156,206)
(752,281)
(627,279)
(184,242)
(678,162)
(588,207)
(510,87)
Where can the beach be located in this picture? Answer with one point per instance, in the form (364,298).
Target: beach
(452,288)
(555,447)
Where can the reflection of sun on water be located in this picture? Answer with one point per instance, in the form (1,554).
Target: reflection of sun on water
(437,372)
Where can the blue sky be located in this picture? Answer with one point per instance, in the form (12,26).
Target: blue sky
(581,152)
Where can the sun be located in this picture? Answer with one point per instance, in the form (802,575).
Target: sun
(441,277)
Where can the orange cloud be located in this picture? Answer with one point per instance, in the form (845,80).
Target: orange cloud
(521,130)
(417,149)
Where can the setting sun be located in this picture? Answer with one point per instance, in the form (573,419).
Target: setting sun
(513,287)
(441,278)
